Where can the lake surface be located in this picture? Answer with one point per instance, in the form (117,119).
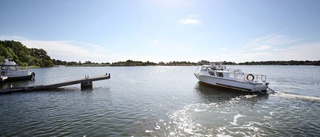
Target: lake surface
(162,101)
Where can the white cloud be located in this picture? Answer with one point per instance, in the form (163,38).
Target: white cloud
(174,3)
(269,41)
(280,47)
(11,38)
(190,21)
(223,49)
(193,15)
(263,47)
(156,41)
(69,50)
(309,51)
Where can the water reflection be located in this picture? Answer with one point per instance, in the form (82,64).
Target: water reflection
(209,94)
(218,112)
(156,101)
(5,85)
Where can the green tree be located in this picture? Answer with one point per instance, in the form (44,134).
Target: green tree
(24,56)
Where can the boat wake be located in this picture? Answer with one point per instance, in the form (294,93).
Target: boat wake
(248,115)
(296,96)
(226,118)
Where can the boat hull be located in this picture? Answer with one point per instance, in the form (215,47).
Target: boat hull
(20,78)
(246,86)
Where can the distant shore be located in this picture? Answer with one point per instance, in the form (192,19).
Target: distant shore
(32,57)
(186,63)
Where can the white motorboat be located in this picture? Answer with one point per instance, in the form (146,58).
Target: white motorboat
(10,71)
(219,75)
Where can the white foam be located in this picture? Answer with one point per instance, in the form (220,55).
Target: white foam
(157,127)
(223,135)
(149,131)
(296,96)
(235,119)
(250,96)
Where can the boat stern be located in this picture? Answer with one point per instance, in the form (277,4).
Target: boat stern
(261,87)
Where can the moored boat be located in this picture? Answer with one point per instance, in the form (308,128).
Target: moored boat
(11,72)
(219,75)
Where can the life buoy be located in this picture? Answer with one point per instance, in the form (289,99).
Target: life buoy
(250,79)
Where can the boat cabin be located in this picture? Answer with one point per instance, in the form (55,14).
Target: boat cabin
(9,66)
(217,71)
(220,71)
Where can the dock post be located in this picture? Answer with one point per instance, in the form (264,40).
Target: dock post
(86,85)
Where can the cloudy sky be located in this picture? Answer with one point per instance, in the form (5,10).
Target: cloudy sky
(165,30)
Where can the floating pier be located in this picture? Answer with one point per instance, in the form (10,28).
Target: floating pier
(85,84)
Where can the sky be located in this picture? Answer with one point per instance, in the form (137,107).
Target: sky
(165,30)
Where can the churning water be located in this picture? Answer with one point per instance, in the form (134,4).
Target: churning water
(162,101)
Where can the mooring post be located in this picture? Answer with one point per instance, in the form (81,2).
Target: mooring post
(86,85)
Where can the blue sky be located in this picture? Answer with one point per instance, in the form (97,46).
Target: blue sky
(166,30)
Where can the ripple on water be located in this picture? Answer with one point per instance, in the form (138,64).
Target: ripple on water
(236,118)
(213,119)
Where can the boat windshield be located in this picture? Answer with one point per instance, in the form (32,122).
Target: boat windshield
(12,68)
(204,68)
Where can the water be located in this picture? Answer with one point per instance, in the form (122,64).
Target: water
(162,101)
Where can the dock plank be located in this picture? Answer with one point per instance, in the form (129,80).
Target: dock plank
(56,85)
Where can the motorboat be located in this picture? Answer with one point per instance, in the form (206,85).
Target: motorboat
(219,75)
(10,71)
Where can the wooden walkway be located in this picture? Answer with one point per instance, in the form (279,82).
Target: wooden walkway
(85,83)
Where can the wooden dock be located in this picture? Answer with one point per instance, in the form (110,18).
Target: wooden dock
(85,83)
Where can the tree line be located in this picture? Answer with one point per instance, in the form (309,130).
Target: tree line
(291,62)
(24,56)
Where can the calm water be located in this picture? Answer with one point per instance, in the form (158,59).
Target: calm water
(163,101)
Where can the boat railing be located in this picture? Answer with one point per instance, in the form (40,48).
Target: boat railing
(258,78)
(17,73)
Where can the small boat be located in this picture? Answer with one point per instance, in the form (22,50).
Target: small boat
(10,71)
(219,75)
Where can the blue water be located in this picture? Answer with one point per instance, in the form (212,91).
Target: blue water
(162,101)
